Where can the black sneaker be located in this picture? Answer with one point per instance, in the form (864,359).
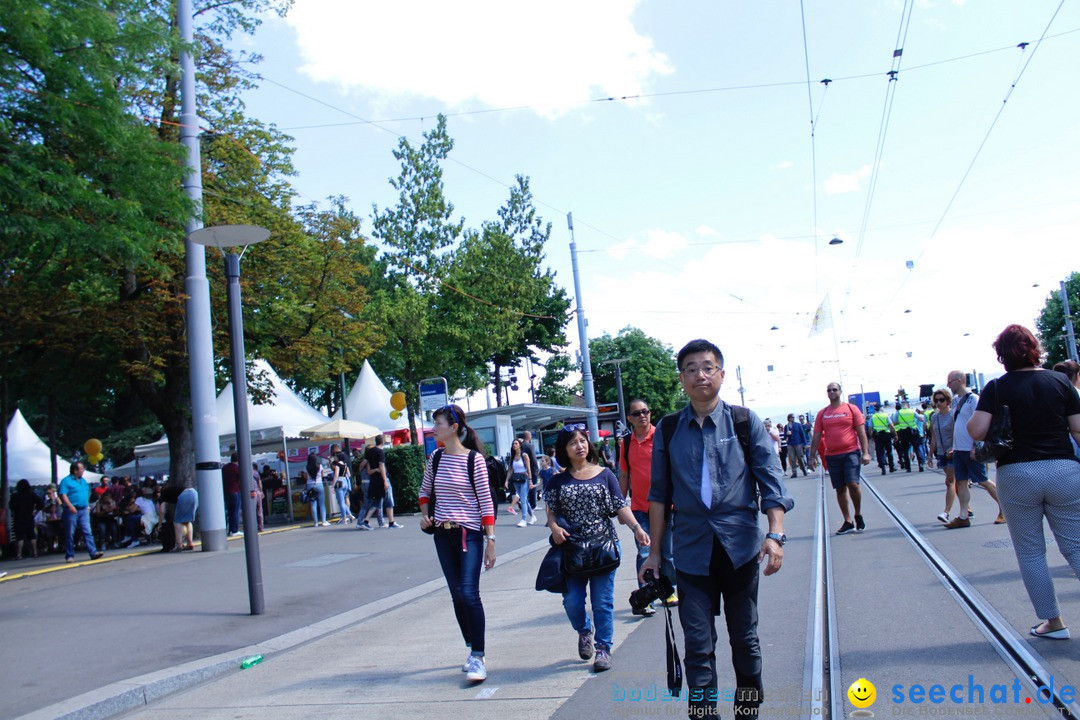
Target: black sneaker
(859,524)
(585,645)
(845,528)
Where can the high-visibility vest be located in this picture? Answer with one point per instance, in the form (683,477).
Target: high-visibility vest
(879,421)
(905,419)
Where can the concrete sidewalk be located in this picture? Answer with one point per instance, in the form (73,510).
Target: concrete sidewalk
(397,657)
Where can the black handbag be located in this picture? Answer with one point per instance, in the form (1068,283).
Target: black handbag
(550,576)
(586,557)
(999,438)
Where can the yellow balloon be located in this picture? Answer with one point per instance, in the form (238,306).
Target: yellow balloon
(397,401)
(92,446)
(394,414)
(96,458)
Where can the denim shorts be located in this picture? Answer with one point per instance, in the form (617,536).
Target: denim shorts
(967,469)
(844,469)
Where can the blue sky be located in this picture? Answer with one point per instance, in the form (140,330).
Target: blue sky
(695,199)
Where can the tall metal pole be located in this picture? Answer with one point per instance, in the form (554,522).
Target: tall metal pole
(344,410)
(586,365)
(742,391)
(243,435)
(1068,324)
(200,342)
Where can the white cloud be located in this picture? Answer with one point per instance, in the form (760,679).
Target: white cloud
(490,51)
(784,165)
(706,231)
(839,183)
(660,244)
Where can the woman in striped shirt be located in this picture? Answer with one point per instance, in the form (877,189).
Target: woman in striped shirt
(464,520)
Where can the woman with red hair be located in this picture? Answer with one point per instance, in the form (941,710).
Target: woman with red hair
(1039,476)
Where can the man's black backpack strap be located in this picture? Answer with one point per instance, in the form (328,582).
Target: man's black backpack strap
(741,418)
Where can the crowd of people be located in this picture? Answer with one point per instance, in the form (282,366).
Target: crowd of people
(717,466)
(116,513)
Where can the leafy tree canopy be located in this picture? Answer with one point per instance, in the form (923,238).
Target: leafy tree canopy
(1050,325)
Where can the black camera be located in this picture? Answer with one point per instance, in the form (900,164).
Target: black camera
(653,589)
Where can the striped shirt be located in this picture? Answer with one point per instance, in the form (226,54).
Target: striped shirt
(455,500)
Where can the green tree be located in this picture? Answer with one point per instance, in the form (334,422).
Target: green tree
(96,239)
(542,304)
(552,388)
(649,372)
(1050,325)
(416,234)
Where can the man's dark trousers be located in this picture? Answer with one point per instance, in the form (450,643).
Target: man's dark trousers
(699,604)
(883,445)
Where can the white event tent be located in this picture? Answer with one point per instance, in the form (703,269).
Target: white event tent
(369,402)
(28,457)
(273,425)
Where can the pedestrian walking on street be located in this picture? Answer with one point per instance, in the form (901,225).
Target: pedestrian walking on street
(941,436)
(967,469)
(581,500)
(464,521)
(521,477)
(797,440)
(74,494)
(1039,476)
(635,480)
(843,428)
(717,489)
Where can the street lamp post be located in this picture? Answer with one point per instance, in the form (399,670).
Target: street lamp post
(222,237)
(618,383)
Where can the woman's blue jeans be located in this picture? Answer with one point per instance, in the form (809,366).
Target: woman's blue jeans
(602,590)
(319,503)
(343,501)
(461,554)
(522,489)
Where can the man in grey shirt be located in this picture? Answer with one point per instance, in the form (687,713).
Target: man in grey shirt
(714,486)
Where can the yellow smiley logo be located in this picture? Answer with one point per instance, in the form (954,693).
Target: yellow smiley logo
(862,693)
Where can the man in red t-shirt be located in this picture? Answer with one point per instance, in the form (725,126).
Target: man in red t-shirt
(843,428)
(635,477)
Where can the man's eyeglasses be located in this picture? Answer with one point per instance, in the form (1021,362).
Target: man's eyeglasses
(832,389)
(639,413)
(706,370)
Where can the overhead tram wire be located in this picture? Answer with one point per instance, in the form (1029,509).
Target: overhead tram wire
(883,128)
(489,177)
(644,96)
(1008,94)
(813,142)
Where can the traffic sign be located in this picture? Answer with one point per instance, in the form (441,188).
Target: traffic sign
(432,394)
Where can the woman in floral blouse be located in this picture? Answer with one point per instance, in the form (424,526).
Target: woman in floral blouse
(585,497)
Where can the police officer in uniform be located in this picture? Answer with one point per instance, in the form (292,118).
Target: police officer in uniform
(907,437)
(883,430)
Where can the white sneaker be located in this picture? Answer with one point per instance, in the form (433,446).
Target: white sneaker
(522,523)
(532,519)
(325,524)
(943,517)
(477,671)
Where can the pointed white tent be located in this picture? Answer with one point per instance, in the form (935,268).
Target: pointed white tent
(369,402)
(29,457)
(282,418)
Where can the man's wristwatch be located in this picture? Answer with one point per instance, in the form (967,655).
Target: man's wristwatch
(490,538)
(780,538)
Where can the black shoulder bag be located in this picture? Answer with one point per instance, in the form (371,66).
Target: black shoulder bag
(999,438)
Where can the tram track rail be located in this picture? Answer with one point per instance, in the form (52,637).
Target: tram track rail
(1014,650)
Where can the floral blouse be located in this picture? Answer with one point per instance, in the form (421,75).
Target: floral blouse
(587,506)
